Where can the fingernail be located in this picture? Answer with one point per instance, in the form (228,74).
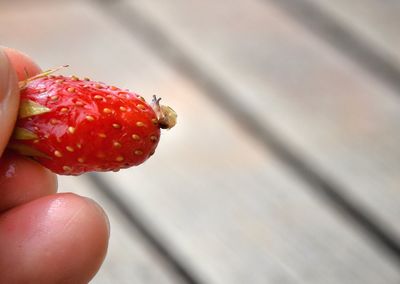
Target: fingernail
(9,99)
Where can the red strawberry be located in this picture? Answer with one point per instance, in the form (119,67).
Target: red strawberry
(72,126)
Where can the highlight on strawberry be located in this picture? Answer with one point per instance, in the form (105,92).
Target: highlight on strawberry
(72,125)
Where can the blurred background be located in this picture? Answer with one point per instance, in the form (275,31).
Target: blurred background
(284,166)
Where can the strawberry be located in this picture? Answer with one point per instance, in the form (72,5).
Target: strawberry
(73,126)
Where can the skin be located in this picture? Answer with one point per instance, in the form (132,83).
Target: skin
(45,237)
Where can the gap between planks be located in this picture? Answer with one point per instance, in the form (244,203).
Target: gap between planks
(359,50)
(132,214)
(128,252)
(170,50)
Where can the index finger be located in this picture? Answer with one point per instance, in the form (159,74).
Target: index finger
(9,99)
(21,179)
(14,66)
(23,65)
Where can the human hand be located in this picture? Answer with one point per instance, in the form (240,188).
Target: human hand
(44,237)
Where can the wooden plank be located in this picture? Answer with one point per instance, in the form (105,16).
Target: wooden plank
(229,210)
(376,21)
(360,46)
(129,259)
(337,115)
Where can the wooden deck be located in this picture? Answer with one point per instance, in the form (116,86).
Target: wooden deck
(285,163)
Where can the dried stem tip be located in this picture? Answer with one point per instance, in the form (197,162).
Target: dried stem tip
(166,116)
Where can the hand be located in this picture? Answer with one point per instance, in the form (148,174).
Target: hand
(44,237)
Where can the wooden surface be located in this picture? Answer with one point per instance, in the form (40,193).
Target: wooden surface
(376,21)
(284,165)
(325,107)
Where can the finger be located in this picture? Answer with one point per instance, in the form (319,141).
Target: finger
(14,66)
(23,65)
(55,239)
(9,99)
(23,180)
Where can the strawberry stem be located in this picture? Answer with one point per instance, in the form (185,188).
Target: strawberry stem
(22,84)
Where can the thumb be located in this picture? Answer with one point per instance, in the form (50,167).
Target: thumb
(9,99)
